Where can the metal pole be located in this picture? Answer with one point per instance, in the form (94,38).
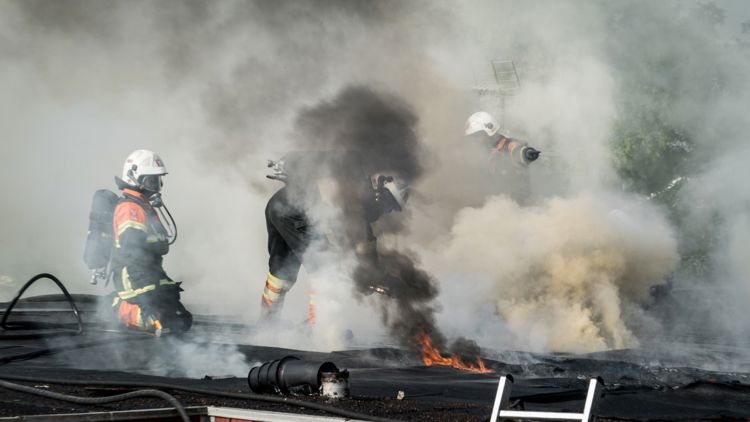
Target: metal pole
(595,388)
(502,397)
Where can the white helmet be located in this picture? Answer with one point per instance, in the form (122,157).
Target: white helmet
(392,196)
(143,163)
(399,193)
(483,121)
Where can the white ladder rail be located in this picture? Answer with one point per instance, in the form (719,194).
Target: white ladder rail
(502,401)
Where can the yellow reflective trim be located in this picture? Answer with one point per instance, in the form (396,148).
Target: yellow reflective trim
(129,294)
(271,296)
(277,283)
(126,284)
(130,224)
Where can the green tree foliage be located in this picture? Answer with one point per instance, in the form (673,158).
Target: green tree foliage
(668,72)
(649,153)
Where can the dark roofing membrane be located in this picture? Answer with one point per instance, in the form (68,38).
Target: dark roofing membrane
(665,382)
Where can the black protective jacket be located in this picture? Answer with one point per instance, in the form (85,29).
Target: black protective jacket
(140,243)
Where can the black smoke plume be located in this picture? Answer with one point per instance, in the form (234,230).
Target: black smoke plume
(381,129)
(380,126)
(413,291)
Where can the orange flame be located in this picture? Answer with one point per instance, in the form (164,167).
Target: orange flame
(432,356)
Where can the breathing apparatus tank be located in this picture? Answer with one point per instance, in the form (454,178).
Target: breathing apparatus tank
(100,238)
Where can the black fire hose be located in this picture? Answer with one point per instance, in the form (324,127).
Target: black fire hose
(99,400)
(173,224)
(241,396)
(28,284)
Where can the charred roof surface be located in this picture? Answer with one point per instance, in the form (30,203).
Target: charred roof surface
(102,361)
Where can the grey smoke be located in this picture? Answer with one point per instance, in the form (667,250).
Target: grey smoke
(380,129)
(215,88)
(414,310)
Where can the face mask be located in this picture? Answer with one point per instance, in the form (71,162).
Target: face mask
(152,183)
(483,139)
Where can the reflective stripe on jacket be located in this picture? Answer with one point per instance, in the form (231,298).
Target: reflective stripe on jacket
(140,242)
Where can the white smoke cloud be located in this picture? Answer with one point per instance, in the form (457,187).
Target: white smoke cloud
(560,272)
(214,87)
(716,205)
(199,358)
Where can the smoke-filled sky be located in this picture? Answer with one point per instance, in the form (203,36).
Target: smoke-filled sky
(217,88)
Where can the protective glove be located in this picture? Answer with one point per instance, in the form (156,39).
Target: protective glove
(388,285)
(379,289)
(531,154)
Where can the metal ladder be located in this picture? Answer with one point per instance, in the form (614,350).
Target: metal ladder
(503,397)
(495,86)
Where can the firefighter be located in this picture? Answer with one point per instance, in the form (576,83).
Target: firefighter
(146,298)
(508,158)
(299,232)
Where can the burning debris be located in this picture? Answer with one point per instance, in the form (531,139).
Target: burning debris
(432,356)
(411,310)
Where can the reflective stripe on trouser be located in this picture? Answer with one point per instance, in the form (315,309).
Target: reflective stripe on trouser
(131,315)
(273,294)
(311,309)
(128,292)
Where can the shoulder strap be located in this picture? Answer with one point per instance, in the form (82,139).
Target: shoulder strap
(130,198)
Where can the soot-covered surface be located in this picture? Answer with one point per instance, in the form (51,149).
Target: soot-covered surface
(639,384)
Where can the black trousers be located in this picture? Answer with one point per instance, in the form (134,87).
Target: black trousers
(289,236)
(163,303)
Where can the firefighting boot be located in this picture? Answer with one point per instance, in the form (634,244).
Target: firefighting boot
(176,319)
